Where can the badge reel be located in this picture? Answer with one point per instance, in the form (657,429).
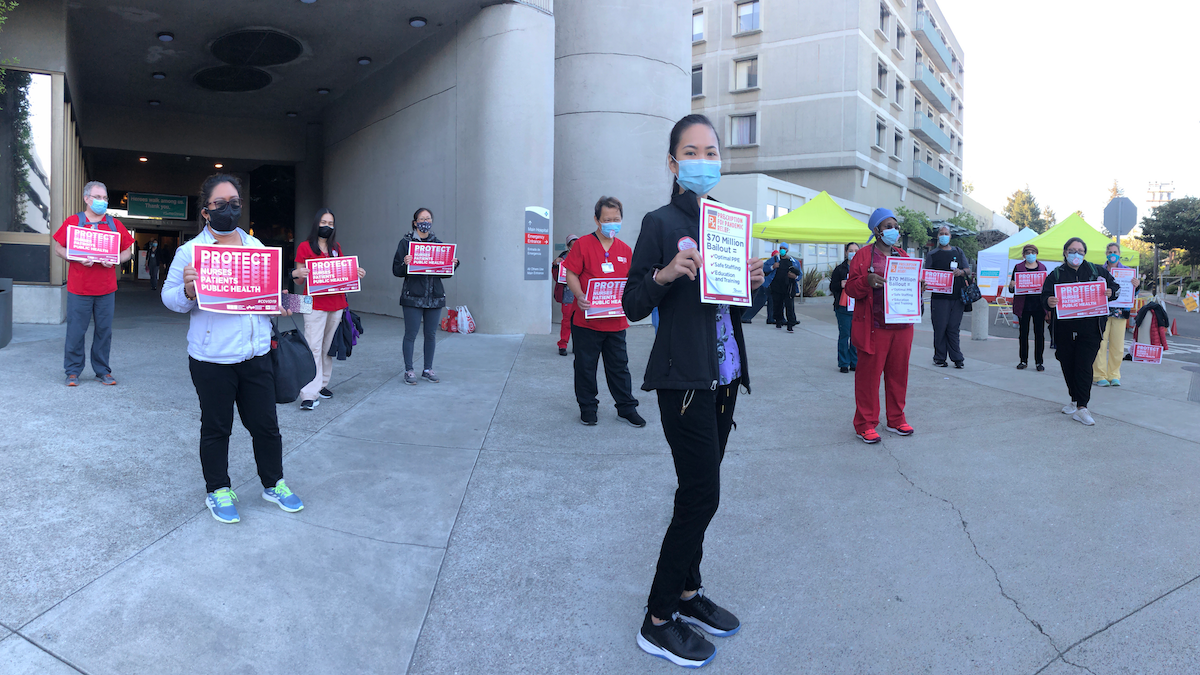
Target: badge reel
(607,267)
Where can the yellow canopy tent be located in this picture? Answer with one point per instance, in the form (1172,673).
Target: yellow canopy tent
(819,221)
(1050,243)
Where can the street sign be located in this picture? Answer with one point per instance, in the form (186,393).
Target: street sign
(1120,216)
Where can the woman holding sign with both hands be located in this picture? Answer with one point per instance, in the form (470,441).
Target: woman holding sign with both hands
(229,362)
(1029,309)
(422,298)
(1078,340)
(321,324)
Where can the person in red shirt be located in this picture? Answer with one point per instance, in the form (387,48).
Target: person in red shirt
(601,255)
(321,325)
(91,288)
(563,295)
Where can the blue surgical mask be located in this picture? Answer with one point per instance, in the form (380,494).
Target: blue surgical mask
(783,253)
(99,206)
(1114,257)
(1031,258)
(943,239)
(699,175)
(610,230)
(1075,259)
(890,237)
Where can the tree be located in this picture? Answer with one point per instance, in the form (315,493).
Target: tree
(1175,224)
(914,224)
(968,187)
(1115,191)
(1049,217)
(6,8)
(1023,210)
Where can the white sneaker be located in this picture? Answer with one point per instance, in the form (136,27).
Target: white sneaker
(1084,417)
(1069,409)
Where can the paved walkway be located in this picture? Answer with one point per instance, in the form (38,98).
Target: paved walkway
(476,527)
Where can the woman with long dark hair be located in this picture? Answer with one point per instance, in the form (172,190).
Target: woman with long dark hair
(696,365)
(422,298)
(321,325)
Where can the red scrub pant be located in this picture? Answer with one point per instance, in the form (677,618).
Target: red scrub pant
(892,348)
(564,332)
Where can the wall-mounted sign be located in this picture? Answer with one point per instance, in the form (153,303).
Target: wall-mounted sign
(537,243)
(149,205)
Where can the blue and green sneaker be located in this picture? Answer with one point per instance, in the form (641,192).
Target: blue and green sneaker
(282,495)
(220,504)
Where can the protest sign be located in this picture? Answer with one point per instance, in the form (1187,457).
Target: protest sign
(1081,300)
(939,281)
(99,246)
(1144,353)
(1029,283)
(431,258)
(327,276)
(725,248)
(901,290)
(604,298)
(1123,277)
(562,273)
(238,279)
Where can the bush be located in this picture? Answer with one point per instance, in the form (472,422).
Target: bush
(808,283)
(1194,286)
(1172,289)
(819,294)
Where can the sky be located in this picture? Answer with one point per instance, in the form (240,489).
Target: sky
(1065,96)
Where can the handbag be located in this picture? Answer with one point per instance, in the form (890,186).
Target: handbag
(293,362)
(971,293)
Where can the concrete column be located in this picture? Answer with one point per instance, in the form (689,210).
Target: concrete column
(310,184)
(505,162)
(622,78)
(980,320)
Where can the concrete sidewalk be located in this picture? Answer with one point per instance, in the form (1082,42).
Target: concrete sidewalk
(475,526)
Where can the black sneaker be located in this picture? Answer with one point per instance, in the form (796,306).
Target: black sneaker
(587,418)
(940,364)
(633,418)
(708,616)
(1040,367)
(562,351)
(325,393)
(958,364)
(676,642)
(1022,365)
(844,369)
(309,405)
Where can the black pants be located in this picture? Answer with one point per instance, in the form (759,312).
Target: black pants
(1038,318)
(590,345)
(1078,342)
(250,384)
(946,314)
(413,316)
(696,424)
(781,301)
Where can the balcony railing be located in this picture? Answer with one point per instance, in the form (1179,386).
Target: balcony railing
(931,40)
(928,84)
(926,175)
(927,130)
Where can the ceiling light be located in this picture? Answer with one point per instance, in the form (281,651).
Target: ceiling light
(292,114)
(219,165)
(322,90)
(166,37)
(308,2)
(364,60)
(142,159)
(154,102)
(159,76)
(417,22)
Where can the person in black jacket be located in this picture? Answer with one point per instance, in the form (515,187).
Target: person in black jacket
(843,309)
(1078,339)
(786,272)
(696,365)
(422,298)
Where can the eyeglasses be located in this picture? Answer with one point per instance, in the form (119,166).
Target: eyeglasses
(219,204)
(1076,251)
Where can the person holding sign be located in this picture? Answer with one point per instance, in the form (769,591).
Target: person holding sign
(696,365)
(1078,339)
(321,325)
(1028,305)
(883,347)
(229,362)
(91,287)
(564,296)
(843,309)
(600,255)
(1106,371)
(946,304)
(422,297)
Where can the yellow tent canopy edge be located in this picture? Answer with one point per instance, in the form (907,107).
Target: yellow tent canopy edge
(820,220)
(1050,243)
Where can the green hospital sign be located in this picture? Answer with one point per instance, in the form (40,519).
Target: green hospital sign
(157,206)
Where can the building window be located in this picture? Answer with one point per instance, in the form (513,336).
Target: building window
(746,73)
(880,132)
(26,129)
(916,103)
(698,26)
(899,93)
(744,129)
(916,152)
(697,80)
(900,35)
(747,16)
(898,145)
(920,58)
(881,78)
(884,14)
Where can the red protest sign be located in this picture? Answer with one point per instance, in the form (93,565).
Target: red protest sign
(604,298)
(1143,353)
(86,244)
(238,279)
(1081,300)
(431,258)
(939,281)
(327,276)
(1028,283)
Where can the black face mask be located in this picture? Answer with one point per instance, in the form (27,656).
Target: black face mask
(224,219)
(324,232)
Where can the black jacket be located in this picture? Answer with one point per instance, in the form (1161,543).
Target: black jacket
(684,355)
(420,290)
(342,345)
(837,281)
(784,281)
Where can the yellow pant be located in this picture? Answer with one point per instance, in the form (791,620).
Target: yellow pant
(1112,350)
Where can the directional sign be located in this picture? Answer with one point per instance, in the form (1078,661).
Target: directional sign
(1120,216)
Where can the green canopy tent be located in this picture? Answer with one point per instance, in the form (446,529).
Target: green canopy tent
(819,221)
(1050,243)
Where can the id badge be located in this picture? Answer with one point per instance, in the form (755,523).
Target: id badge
(607,268)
